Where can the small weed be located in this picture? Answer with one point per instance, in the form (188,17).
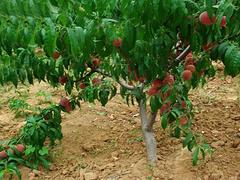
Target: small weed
(47,97)
(19,106)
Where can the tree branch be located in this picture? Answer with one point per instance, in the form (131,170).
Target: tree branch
(184,53)
(125,85)
(180,57)
(121,81)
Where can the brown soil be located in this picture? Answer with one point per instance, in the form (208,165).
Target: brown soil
(106,142)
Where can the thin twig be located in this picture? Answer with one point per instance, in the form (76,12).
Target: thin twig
(180,57)
(184,53)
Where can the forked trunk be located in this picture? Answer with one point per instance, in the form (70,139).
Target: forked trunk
(147,129)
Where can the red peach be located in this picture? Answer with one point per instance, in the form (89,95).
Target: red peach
(183,121)
(62,80)
(117,42)
(82,85)
(184,104)
(187,75)
(189,55)
(224,21)
(191,68)
(64,102)
(165,107)
(96,62)
(68,108)
(3,154)
(205,19)
(20,148)
(156,83)
(152,91)
(56,55)
(96,81)
(169,79)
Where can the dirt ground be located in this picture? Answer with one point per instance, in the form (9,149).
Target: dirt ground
(106,142)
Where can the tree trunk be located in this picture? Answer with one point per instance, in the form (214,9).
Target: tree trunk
(147,129)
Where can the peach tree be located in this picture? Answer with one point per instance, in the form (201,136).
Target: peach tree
(156,51)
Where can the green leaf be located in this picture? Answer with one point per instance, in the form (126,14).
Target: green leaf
(155,103)
(203,154)
(43,151)
(187,139)
(2,174)
(49,38)
(113,92)
(29,150)
(130,33)
(29,76)
(191,145)
(103,96)
(77,40)
(176,112)
(232,61)
(164,121)
(222,49)
(44,162)
(14,77)
(195,42)
(69,86)
(195,156)
(16,170)
(209,5)
(177,132)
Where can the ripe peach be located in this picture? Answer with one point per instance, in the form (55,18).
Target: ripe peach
(189,59)
(117,42)
(62,80)
(184,104)
(169,79)
(183,121)
(205,19)
(224,21)
(96,81)
(3,154)
(64,102)
(191,68)
(152,91)
(165,107)
(56,55)
(20,148)
(68,108)
(156,83)
(82,85)
(188,62)
(96,62)
(190,55)
(187,75)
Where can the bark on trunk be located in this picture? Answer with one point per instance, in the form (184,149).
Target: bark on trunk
(147,129)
